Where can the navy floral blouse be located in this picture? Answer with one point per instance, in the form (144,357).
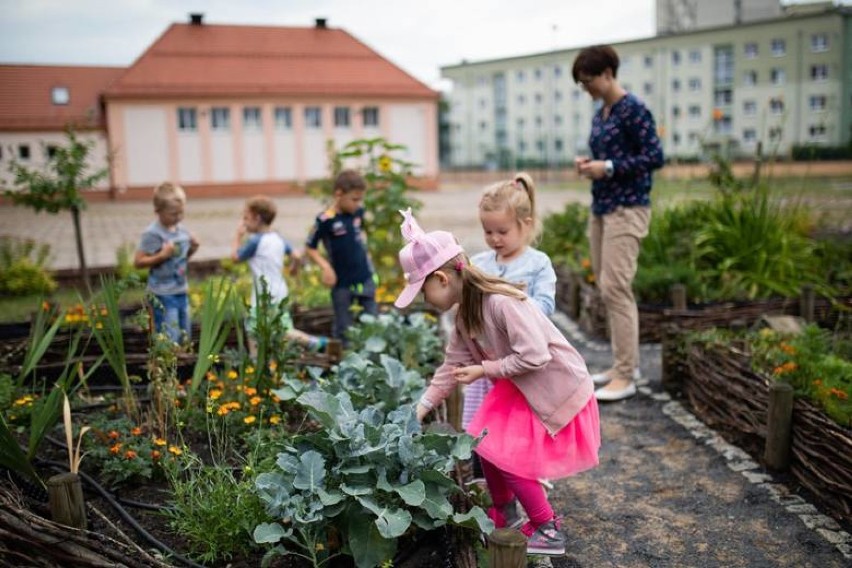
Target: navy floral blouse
(628,137)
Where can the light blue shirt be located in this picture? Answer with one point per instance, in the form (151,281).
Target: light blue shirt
(169,277)
(532,268)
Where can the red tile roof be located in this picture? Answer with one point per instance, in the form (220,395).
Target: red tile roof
(26,96)
(225,60)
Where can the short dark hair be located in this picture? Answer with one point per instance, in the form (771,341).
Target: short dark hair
(263,207)
(349,180)
(594,60)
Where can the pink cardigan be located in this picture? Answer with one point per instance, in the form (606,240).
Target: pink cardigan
(528,350)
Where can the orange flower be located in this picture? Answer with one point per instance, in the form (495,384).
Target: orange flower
(211,376)
(215,394)
(255,400)
(249,419)
(788,349)
(155,455)
(250,391)
(129,455)
(136,431)
(115,449)
(586,263)
(159,442)
(223,410)
(838,393)
(113,435)
(175,450)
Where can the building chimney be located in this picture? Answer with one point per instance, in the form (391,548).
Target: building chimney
(321,23)
(196,19)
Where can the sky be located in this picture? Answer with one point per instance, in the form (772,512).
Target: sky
(419,36)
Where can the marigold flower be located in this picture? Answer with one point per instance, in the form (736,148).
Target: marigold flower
(215,394)
(586,263)
(155,455)
(838,393)
(249,370)
(175,450)
(250,391)
(223,410)
(274,419)
(115,449)
(159,442)
(249,419)
(211,376)
(272,366)
(137,431)
(255,400)
(787,348)
(385,163)
(129,455)
(232,374)
(113,435)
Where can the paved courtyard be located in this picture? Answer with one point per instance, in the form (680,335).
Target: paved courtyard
(109,225)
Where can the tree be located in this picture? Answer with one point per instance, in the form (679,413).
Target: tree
(58,186)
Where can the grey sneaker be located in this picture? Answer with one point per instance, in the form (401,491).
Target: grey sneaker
(547,540)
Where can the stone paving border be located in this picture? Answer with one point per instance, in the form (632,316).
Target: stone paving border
(736,459)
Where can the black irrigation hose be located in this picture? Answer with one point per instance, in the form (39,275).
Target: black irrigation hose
(127,517)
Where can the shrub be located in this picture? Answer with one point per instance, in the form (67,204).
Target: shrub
(563,235)
(23,268)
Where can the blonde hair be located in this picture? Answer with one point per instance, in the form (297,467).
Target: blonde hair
(263,207)
(476,284)
(516,195)
(167,194)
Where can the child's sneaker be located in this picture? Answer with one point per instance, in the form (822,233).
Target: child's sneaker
(318,344)
(546,539)
(506,517)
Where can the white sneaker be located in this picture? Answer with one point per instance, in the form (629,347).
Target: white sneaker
(602,379)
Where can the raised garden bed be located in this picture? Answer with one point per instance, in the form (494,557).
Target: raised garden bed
(721,389)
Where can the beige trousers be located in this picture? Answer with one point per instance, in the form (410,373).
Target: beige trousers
(614,241)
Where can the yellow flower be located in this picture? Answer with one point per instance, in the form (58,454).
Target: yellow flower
(211,376)
(159,442)
(249,419)
(175,450)
(232,374)
(249,370)
(215,394)
(385,163)
(255,400)
(274,419)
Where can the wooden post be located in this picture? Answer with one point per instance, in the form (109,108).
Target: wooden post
(334,350)
(669,378)
(65,493)
(807,307)
(679,297)
(779,419)
(507,548)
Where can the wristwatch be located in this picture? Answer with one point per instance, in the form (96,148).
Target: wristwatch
(609,169)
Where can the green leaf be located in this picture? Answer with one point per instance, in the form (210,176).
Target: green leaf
(475,519)
(413,494)
(270,533)
(311,472)
(369,548)
(376,344)
(12,456)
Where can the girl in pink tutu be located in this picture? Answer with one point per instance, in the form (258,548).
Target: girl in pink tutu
(541,419)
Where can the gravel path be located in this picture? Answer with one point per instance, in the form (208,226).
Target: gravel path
(671,492)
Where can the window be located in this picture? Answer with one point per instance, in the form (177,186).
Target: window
(538,121)
(539,145)
(252,119)
(694,111)
(695,56)
(675,85)
(557,144)
(649,61)
(575,94)
(341,117)
(520,123)
(50,151)
(483,103)
(538,98)
(695,84)
(818,102)
(313,117)
(557,70)
(779,48)
(675,57)
(557,120)
(819,72)
(724,125)
(676,139)
(676,111)
(648,88)
(537,74)
(370,116)
(777,76)
(220,118)
(749,135)
(750,78)
(483,125)
(522,146)
(521,99)
(60,95)
(817,131)
(187,119)
(776,133)
(819,43)
(776,105)
(557,95)
(283,118)
(749,108)
(23,151)
(750,50)
(519,76)
(723,97)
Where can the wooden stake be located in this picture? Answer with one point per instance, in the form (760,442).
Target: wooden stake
(67,506)
(779,419)
(507,548)
(334,350)
(807,306)
(679,297)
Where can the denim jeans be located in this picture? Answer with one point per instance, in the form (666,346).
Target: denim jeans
(342,300)
(171,316)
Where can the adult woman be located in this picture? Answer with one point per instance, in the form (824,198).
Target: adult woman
(625,150)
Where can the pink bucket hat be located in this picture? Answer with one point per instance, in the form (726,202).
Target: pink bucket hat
(423,254)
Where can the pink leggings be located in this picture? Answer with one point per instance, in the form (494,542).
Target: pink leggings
(503,486)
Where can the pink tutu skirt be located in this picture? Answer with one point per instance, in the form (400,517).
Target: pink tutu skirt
(517,441)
